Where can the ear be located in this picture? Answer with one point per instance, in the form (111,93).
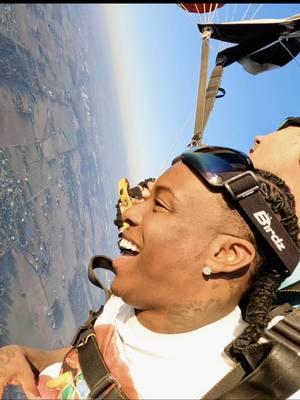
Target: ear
(228,253)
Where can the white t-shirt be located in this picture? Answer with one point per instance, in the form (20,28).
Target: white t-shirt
(150,365)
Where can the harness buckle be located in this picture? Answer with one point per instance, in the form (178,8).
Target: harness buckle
(85,329)
(83,339)
(103,387)
(82,335)
(246,191)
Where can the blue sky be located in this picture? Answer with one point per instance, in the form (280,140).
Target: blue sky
(155,52)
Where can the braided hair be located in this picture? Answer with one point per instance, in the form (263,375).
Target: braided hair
(258,301)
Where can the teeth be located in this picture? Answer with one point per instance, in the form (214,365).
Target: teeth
(128,245)
(134,248)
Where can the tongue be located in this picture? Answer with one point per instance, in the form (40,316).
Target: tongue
(129,253)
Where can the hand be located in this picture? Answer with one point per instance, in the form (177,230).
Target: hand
(21,365)
(15,369)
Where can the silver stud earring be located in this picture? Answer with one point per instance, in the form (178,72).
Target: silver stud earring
(207,270)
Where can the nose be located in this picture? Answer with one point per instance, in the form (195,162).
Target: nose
(134,215)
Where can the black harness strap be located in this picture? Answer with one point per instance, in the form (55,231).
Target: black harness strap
(274,365)
(228,382)
(276,378)
(287,332)
(98,377)
(95,371)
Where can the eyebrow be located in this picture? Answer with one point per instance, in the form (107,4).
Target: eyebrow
(164,188)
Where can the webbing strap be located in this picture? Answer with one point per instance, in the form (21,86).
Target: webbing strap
(200,108)
(277,377)
(227,383)
(212,90)
(287,331)
(100,262)
(275,364)
(96,374)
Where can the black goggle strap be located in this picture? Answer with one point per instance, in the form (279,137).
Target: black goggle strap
(244,189)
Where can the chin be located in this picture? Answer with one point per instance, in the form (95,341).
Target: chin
(114,288)
(126,295)
(117,290)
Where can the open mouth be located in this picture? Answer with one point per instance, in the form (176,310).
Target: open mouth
(127,248)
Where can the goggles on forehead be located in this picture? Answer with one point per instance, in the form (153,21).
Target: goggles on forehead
(232,172)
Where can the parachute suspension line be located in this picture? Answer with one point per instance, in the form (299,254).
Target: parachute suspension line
(226,14)
(214,12)
(219,43)
(200,108)
(246,12)
(209,13)
(202,18)
(197,8)
(205,20)
(284,46)
(210,20)
(198,12)
(193,19)
(233,11)
(256,11)
(177,137)
(222,44)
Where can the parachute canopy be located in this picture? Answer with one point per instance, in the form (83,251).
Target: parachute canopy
(200,8)
(261,44)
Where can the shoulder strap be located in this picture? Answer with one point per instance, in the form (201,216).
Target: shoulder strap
(95,371)
(228,382)
(96,374)
(286,331)
(275,365)
(277,377)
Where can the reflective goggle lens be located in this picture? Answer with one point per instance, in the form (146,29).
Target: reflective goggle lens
(212,161)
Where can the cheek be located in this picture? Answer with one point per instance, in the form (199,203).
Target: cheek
(168,244)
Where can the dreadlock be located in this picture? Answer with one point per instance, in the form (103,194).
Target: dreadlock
(257,303)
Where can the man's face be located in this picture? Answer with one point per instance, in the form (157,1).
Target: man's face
(172,229)
(279,153)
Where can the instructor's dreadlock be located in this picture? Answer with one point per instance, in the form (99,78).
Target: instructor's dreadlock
(257,303)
